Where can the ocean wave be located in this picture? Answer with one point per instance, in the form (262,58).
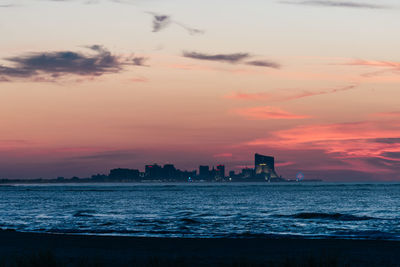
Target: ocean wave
(90,190)
(189,221)
(327,216)
(84,213)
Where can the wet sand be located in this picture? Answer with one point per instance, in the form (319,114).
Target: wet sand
(80,250)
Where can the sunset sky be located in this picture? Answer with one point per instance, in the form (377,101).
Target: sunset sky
(86,86)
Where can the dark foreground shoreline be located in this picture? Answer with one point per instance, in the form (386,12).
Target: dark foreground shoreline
(36,249)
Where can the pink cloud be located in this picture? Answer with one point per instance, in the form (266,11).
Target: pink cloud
(390,66)
(223,155)
(268,113)
(390,115)
(345,140)
(364,147)
(361,62)
(283,164)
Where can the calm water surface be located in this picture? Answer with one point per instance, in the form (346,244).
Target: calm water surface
(312,210)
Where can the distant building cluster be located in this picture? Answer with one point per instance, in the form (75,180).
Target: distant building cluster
(264,170)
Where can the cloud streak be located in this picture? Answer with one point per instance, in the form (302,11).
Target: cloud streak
(268,113)
(264,63)
(229,58)
(233,58)
(345,4)
(286,94)
(45,65)
(6,5)
(385,66)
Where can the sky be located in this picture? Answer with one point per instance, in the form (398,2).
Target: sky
(91,85)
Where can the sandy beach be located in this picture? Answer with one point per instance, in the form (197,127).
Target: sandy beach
(29,249)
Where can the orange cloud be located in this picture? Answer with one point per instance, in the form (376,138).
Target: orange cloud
(268,113)
(286,94)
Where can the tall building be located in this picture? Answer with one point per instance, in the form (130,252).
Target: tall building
(204,172)
(153,171)
(169,171)
(220,171)
(264,166)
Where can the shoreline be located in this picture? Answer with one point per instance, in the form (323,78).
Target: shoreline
(104,250)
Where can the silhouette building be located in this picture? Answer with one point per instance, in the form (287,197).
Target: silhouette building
(169,171)
(220,172)
(153,171)
(124,174)
(264,167)
(204,172)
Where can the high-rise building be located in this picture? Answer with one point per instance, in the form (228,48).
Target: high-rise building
(204,172)
(264,166)
(153,171)
(169,171)
(220,171)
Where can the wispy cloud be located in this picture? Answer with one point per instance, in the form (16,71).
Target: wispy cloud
(384,66)
(51,65)
(108,155)
(233,58)
(268,113)
(327,3)
(286,94)
(161,21)
(264,63)
(6,5)
(230,58)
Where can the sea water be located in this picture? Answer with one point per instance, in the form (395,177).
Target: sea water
(208,210)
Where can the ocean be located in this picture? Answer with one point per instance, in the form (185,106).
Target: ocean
(207,210)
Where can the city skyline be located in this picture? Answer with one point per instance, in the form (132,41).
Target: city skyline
(263,170)
(89,85)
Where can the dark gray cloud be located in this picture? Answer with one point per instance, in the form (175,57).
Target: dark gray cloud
(264,63)
(394,155)
(160,22)
(327,3)
(395,140)
(230,58)
(139,61)
(109,155)
(233,58)
(60,63)
(388,164)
